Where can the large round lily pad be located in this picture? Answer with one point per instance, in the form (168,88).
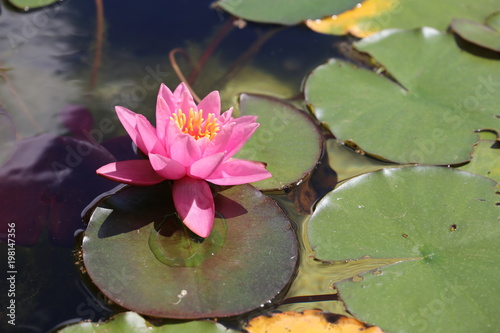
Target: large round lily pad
(287,140)
(427,114)
(284,11)
(443,227)
(250,256)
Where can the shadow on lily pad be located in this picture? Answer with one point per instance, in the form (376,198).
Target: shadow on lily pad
(247,261)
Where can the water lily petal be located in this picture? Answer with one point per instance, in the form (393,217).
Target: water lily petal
(204,167)
(245,120)
(128,120)
(239,136)
(166,167)
(185,150)
(172,131)
(179,90)
(203,143)
(147,140)
(219,143)
(168,98)
(187,103)
(236,171)
(194,203)
(134,172)
(210,104)
(226,116)
(162,117)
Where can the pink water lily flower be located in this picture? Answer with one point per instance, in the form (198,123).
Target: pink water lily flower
(191,145)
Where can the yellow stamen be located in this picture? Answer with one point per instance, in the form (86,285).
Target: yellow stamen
(195,125)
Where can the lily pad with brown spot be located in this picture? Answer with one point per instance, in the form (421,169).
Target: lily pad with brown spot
(422,111)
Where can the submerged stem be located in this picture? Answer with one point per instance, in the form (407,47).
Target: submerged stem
(20,102)
(178,71)
(223,31)
(247,55)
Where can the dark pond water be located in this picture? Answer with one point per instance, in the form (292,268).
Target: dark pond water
(54,92)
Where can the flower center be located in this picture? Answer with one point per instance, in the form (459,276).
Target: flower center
(195,125)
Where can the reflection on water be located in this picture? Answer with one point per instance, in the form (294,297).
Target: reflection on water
(46,61)
(7,136)
(36,49)
(316,277)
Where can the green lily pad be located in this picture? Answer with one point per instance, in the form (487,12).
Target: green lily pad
(132,322)
(348,163)
(249,262)
(31,4)
(493,20)
(477,33)
(440,226)
(485,160)
(287,140)
(428,114)
(372,16)
(283,11)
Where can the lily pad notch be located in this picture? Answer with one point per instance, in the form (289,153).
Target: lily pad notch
(447,241)
(254,264)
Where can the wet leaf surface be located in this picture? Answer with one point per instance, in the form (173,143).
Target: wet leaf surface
(441,225)
(255,262)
